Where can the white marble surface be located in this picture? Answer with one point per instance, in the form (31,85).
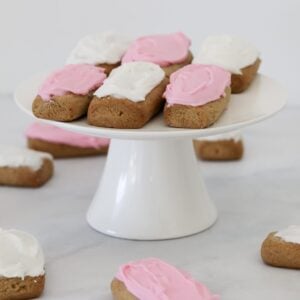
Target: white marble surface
(255,196)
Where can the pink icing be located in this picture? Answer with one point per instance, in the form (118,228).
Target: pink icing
(197,85)
(153,279)
(57,135)
(78,79)
(163,49)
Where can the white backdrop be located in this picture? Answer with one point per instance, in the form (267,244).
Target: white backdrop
(38,34)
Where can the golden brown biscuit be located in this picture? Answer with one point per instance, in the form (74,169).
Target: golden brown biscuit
(19,289)
(25,176)
(185,116)
(62,150)
(172,68)
(279,253)
(109,67)
(240,82)
(227,149)
(123,113)
(120,292)
(66,108)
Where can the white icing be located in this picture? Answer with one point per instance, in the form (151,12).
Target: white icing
(290,234)
(228,52)
(15,157)
(106,47)
(20,255)
(132,81)
(232,135)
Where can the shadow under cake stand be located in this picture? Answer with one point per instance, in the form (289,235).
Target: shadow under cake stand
(152,187)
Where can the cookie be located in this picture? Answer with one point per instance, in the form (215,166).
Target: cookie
(129,97)
(66,94)
(196,96)
(170,51)
(24,167)
(104,49)
(234,55)
(282,248)
(151,278)
(222,147)
(22,266)
(63,143)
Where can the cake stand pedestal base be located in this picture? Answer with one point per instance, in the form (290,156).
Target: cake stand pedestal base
(151,190)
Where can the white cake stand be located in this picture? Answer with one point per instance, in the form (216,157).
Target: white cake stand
(152,187)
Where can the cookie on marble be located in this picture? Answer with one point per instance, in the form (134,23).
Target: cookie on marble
(22,266)
(66,93)
(196,96)
(221,147)
(235,55)
(24,167)
(63,143)
(151,279)
(104,49)
(282,248)
(129,97)
(169,51)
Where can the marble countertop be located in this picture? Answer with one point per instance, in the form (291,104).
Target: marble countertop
(255,196)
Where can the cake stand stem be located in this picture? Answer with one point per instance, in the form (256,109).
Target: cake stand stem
(151,190)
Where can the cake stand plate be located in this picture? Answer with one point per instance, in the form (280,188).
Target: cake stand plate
(152,187)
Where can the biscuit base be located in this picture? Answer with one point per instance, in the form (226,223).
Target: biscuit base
(120,292)
(109,67)
(278,253)
(196,117)
(62,150)
(19,289)
(64,108)
(122,113)
(240,82)
(220,150)
(25,176)
(174,67)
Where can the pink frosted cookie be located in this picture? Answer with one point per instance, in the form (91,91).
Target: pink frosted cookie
(153,279)
(63,143)
(196,96)
(66,93)
(170,51)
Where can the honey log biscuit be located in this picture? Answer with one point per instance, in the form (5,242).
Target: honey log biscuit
(63,143)
(154,279)
(24,167)
(130,96)
(240,82)
(234,55)
(22,266)
(222,147)
(196,96)
(104,49)
(65,95)
(170,51)
(282,248)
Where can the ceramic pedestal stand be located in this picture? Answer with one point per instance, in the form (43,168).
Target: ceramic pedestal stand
(151,187)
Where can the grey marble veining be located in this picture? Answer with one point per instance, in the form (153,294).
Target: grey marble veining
(255,196)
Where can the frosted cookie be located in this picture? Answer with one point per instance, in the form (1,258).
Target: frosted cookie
(226,146)
(22,270)
(282,248)
(196,96)
(63,143)
(234,55)
(103,49)
(129,97)
(24,167)
(153,279)
(170,51)
(66,94)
